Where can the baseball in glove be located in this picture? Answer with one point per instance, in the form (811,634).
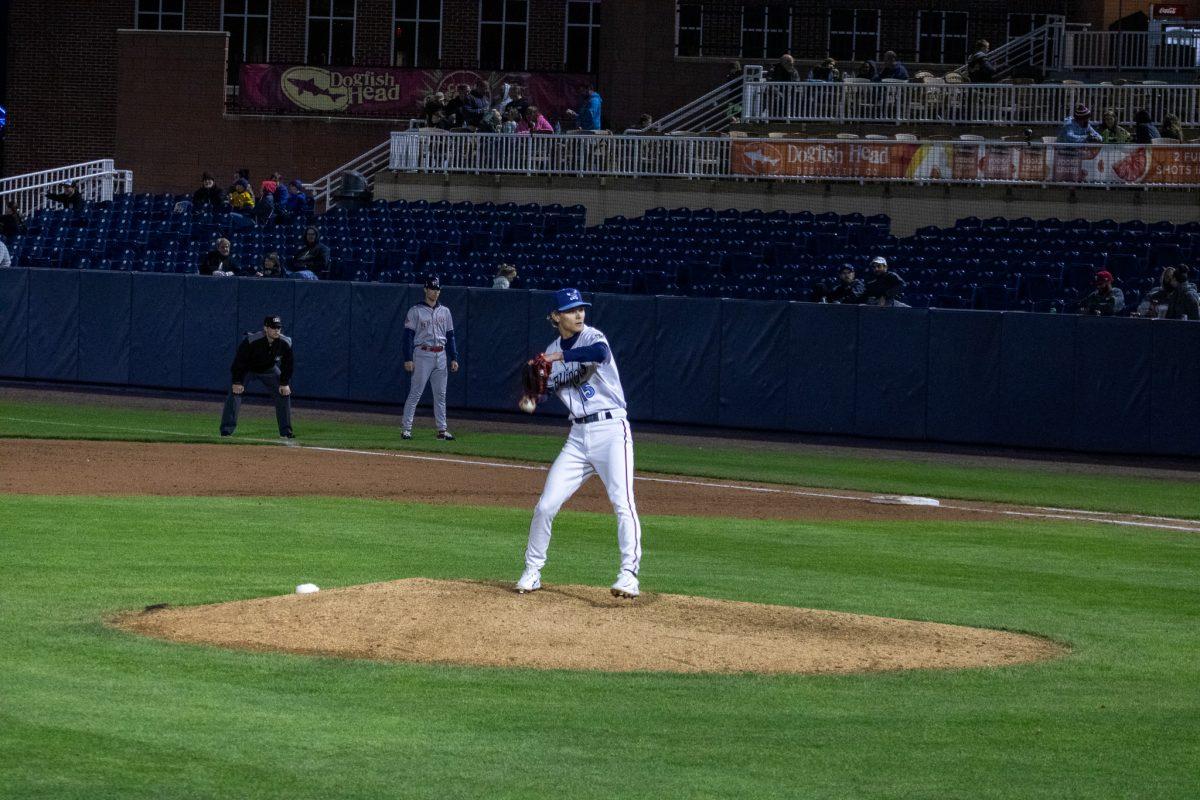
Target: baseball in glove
(534,375)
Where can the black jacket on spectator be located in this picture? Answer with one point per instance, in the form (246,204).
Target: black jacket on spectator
(213,261)
(784,72)
(1183,302)
(847,293)
(979,69)
(1105,305)
(314,258)
(257,353)
(11,225)
(210,196)
(888,286)
(73,201)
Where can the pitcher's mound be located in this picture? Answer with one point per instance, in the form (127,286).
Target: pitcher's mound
(581,628)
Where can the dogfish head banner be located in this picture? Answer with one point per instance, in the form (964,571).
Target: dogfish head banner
(390,91)
(959,162)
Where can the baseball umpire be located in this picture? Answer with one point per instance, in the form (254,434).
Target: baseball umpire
(429,350)
(265,356)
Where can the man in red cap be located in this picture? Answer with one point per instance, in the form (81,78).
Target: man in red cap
(1077,129)
(1105,300)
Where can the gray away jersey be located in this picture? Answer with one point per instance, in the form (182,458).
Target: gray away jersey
(587,388)
(429,325)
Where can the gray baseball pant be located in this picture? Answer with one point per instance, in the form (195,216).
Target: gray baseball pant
(283,405)
(427,367)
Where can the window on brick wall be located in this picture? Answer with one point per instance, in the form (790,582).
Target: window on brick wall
(331,32)
(248,23)
(416,33)
(766,31)
(942,37)
(159,15)
(689,29)
(1021,24)
(503,34)
(582,35)
(853,34)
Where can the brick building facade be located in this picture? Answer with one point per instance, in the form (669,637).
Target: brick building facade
(66,66)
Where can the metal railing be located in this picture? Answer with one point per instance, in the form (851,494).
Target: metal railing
(1040,48)
(714,111)
(1175,50)
(857,160)
(962,103)
(95,180)
(369,164)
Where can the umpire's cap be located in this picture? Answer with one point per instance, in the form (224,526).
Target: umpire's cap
(272,321)
(566,299)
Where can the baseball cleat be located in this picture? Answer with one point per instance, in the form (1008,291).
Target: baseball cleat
(446,436)
(405,434)
(531,581)
(626,585)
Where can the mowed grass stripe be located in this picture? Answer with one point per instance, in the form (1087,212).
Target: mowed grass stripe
(91,712)
(1023,486)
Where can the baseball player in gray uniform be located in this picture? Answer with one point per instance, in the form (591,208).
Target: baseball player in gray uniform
(428,343)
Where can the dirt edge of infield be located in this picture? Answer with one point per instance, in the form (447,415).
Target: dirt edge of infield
(571,627)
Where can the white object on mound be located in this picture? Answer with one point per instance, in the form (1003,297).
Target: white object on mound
(905,500)
(307,588)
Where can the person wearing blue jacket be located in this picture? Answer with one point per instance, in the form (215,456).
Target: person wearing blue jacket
(588,114)
(1077,129)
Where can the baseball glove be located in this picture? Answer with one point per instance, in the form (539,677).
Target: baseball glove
(534,375)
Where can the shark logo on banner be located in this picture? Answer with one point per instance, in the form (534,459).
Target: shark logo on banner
(312,89)
(763,159)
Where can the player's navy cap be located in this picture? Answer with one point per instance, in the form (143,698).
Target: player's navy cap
(433,282)
(566,299)
(272,321)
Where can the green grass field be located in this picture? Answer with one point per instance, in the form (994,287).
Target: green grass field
(89,712)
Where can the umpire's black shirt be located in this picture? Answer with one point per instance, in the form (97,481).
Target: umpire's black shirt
(257,353)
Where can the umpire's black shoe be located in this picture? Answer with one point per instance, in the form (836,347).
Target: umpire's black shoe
(446,436)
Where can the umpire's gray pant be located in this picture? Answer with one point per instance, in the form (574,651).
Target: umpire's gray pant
(426,366)
(283,405)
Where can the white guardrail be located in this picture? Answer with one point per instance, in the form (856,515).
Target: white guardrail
(858,160)
(96,180)
(1169,49)
(961,103)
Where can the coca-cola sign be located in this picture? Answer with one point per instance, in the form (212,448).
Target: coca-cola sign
(1168,11)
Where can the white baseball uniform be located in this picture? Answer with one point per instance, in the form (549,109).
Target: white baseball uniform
(600,443)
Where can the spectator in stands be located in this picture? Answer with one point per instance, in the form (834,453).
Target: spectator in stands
(644,122)
(219,262)
(298,204)
(866,71)
(883,288)
(845,289)
(242,174)
(1078,127)
(504,277)
(1183,302)
(519,101)
(6,259)
(208,196)
(314,256)
(1105,299)
(434,109)
(1110,131)
(512,120)
(272,267)
(588,115)
(1172,129)
(785,70)
(979,67)
(826,71)
(1144,131)
(456,103)
(534,121)
(892,69)
(1154,303)
(70,197)
(478,103)
(491,122)
(241,198)
(264,208)
(12,223)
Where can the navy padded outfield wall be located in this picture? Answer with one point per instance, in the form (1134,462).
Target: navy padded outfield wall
(1042,380)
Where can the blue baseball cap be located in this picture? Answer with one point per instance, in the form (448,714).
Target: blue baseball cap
(566,299)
